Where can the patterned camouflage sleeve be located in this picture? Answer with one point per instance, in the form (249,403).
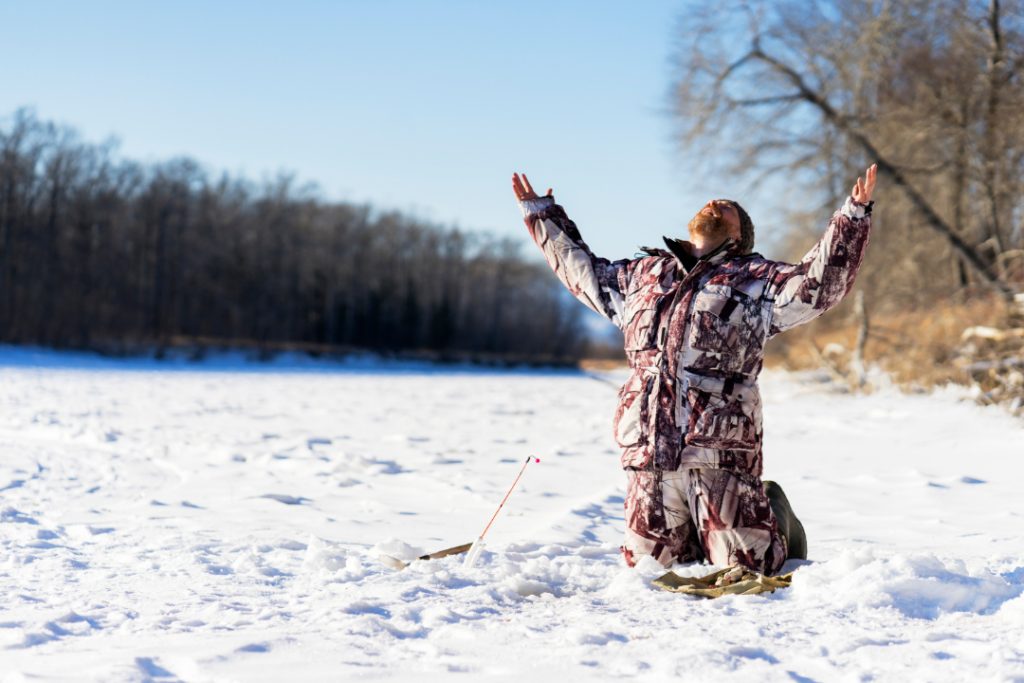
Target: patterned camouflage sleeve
(802,292)
(597,282)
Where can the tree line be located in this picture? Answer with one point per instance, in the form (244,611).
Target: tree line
(101,252)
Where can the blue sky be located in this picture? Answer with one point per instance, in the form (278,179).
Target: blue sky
(422,106)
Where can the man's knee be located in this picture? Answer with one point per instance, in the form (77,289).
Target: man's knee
(667,547)
(658,521)
(735,521)
(759,550)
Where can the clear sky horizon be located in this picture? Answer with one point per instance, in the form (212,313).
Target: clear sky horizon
(425,107)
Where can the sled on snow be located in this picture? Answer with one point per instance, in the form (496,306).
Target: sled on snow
(730,581)
(401,564)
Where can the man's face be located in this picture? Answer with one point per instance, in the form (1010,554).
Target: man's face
(716,221)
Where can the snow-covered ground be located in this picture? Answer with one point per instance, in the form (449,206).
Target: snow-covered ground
(225,521)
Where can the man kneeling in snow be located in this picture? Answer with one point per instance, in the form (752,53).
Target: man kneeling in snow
(695,319)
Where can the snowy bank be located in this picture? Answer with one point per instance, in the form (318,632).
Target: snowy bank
(167,521)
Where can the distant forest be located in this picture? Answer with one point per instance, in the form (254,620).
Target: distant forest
(100,252)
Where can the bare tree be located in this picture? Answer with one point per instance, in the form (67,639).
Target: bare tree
(931,90)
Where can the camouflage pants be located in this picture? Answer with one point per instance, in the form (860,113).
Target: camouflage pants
(701,514)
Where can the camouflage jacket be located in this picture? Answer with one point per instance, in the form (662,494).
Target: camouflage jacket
(695,329)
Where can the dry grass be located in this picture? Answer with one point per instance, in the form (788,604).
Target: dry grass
(918,349)
(602,364)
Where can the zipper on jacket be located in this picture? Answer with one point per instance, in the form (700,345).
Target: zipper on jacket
(678,381)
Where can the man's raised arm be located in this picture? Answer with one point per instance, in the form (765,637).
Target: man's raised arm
(597,282)
(803,291)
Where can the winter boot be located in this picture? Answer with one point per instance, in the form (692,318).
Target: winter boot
(789,526)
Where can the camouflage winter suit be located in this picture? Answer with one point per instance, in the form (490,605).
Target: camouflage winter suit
(689,416)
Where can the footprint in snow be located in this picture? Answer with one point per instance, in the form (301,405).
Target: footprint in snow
(10,514)
(152,670)
(286,499)
(254,647)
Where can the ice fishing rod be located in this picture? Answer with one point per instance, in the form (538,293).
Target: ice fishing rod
(478,544)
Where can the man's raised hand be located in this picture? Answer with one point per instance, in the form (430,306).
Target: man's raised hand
(864,187)
(522,188)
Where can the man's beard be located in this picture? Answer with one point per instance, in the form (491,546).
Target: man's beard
(710,229)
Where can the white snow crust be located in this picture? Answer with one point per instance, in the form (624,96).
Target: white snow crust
(222,521)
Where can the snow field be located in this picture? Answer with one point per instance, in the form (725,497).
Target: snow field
(227,521)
